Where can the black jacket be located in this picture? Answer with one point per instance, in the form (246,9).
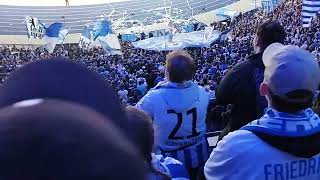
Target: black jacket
(240,88)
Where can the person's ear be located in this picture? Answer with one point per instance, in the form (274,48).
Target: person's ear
(264,89)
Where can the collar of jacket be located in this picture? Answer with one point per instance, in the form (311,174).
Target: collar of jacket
(172,85)
(256,59)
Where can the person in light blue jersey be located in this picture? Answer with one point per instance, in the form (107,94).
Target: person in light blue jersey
(178,107)
(284,143)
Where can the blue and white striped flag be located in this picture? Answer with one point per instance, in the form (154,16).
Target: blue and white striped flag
(85,40)
(310,8)
(55,34)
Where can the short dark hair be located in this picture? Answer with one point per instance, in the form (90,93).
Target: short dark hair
(62,140)
(283,105)
(140,131)
(180,66)
(271,32)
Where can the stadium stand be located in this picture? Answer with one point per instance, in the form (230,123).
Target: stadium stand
(12,17)
(30,72)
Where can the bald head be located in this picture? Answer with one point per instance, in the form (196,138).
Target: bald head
(179,66)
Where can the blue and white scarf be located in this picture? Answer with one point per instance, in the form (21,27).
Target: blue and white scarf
(277,123)
(171,85)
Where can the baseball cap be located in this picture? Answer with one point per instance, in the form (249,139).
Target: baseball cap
(289,68)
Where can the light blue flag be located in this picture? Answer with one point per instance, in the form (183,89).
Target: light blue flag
(55,34)
(53,30)
(111,44)
(128,37)
(85,40)
(102,31)
(188,28)
(101,28)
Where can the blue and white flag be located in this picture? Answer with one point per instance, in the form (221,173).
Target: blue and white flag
(85,40)
(55,34)
(101,28)
(35,28)
(310,8)
(128,37)
(188,28)
(111,44)
(102,31)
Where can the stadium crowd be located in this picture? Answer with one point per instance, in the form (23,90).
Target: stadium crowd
(66,120)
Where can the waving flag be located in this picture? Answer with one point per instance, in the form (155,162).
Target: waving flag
(111,45)
(310,8)
(55,34)
(102,30)
(85,40)
(34,28)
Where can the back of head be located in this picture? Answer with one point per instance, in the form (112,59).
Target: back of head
(270,32)
(142,135)
(140,131)
(180,67)
(63,80)
(291,77)
(48,139)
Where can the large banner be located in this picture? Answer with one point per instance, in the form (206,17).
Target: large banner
(269,5)
(34,28)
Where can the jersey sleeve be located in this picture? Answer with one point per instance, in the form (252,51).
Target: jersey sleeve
(147,104)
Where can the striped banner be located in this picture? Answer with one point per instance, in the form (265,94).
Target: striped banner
(310,8)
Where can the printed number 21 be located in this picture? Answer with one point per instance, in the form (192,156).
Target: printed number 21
(192,111)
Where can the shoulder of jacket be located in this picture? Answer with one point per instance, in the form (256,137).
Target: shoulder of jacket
(247,64)
(239,142)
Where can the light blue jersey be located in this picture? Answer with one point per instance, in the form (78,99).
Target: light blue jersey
(179,112)
(245,156)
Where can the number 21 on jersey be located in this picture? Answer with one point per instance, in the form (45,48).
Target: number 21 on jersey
(181,118)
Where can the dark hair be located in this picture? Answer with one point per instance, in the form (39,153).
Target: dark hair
(180,66)
(284,105)
(61,140)
(141,133)
(271,32)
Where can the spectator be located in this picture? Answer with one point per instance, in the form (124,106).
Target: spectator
(50,139)
(286,138)
(123,93)
(240,87)
(142,134)
(178,108)
(142,87)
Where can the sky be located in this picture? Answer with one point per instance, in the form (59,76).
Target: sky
(54,2)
